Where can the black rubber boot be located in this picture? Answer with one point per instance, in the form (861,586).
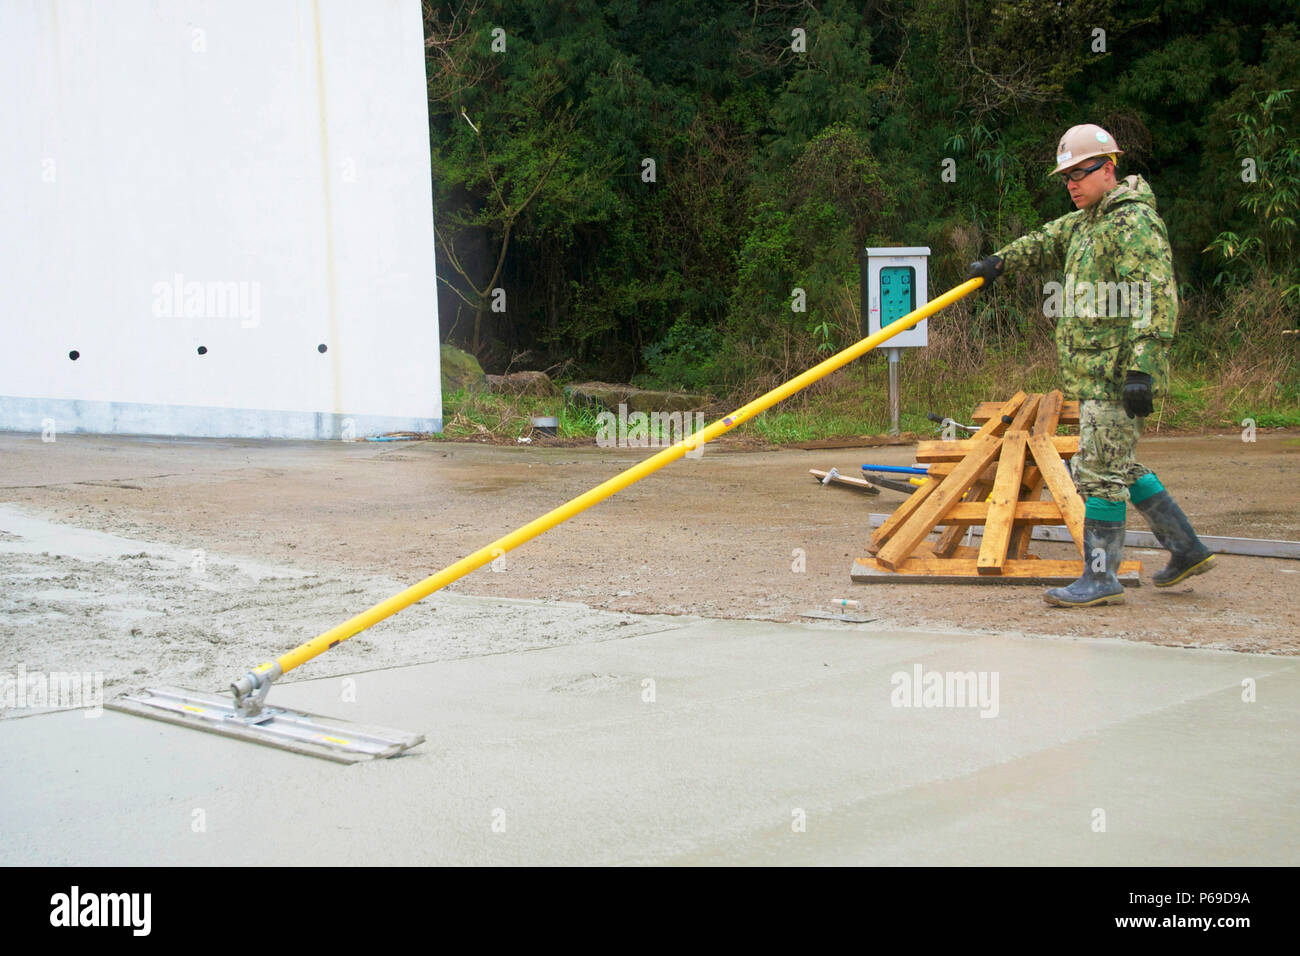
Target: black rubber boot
(1096,586)
(1187,555)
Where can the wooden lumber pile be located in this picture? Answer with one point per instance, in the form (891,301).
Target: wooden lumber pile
(1008,477)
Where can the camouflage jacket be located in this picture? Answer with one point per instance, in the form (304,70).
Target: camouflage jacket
(1118,307)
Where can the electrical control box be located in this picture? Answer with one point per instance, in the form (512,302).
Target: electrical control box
(894,283)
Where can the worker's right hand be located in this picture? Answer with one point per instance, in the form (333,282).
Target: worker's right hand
(987,269)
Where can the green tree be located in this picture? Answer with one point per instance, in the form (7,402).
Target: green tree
(1270,172)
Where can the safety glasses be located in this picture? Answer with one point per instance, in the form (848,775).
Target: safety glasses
(1083,172)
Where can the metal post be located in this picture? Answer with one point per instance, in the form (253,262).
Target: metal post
(894,356)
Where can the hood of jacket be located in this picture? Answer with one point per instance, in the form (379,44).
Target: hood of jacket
(1129,189)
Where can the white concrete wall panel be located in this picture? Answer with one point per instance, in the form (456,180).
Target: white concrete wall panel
(269,161)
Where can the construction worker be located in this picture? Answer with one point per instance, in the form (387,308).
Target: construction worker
(1115,316)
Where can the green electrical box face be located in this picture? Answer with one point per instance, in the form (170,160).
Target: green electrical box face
(897,292)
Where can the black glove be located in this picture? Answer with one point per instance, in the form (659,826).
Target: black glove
(987,269)
(1137,394)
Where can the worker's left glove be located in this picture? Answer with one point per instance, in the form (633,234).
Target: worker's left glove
(1137,394)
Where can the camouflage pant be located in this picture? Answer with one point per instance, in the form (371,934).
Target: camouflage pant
(1106,464)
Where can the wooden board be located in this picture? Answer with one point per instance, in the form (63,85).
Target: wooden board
(1026,415)
(965,570)
(848,481)
(943,468)
(1027,513)
(985,411)
(1049,416)
(1000,512)
(1010,471)
(944,451)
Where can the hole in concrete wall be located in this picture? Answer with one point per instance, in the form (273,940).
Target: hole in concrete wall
(322,348)
(74,355)
(203,350)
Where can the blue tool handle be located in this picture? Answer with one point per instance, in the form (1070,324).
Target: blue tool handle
(898,469)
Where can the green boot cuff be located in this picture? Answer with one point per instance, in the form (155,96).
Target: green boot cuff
(1099,509)
(1145,487)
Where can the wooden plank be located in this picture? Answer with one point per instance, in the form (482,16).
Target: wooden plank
(900,515)
(945,451)
(947,494)
(1019,423)
(1026,415)
(1027,513)
(1061,485)
(1049,414)
(848,481)
(943,468)
(965,571)
(1046,422)
(986,411)
(1001,509)
(940,469)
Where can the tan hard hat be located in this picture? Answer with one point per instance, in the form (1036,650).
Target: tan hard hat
(1083,142)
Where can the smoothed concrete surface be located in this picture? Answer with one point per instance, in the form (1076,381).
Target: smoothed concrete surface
(753,726)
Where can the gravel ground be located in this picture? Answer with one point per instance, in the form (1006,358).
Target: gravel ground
(186,561)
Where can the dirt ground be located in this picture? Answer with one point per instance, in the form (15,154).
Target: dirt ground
(735,534)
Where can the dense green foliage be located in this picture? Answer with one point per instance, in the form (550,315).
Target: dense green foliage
(775,163)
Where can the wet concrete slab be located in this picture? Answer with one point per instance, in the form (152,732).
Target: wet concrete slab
(717,742)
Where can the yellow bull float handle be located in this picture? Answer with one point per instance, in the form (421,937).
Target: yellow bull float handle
(259,678)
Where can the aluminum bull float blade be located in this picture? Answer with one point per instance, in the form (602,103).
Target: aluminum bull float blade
(308,734)
(244,716)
